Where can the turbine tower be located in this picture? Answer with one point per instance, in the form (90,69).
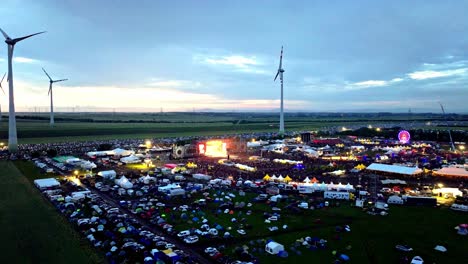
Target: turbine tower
(3,93)
(51,82)
(452,146)
(280,73)
(12,136)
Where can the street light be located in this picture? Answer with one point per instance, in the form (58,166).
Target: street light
(440,185)
(462,147)
(75,172)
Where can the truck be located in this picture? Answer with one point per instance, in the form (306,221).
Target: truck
(421,201)
(337,195)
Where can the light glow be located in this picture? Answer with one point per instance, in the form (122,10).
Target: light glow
(213,148)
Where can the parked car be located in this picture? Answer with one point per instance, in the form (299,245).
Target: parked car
(183,233)
(209,250)
(191,239)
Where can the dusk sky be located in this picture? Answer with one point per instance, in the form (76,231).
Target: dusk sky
(223,55)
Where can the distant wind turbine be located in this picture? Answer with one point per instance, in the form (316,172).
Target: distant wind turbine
(12,135)
(448,128)
(3,93)
(280,73)
(51,96)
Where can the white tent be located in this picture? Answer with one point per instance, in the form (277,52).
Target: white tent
(88,165)
(307,180)
(273,178)
(280,178)
(122,152)
(130,159)
(147,179)
(124,183)
(110,174)
(274,248)
(46,183)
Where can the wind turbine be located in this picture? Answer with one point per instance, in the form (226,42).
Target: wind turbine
(448,128)
(280,73)
(51,96)
(3,93)
(12,135)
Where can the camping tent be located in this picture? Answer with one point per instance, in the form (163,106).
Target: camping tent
(274,248)
(124,183)
(307,180)
(110,174)
(287,179)
(267,177)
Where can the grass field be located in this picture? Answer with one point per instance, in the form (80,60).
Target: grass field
(32,230)
(372,238)
(34,127)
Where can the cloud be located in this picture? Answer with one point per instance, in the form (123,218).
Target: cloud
(366,84)
(162,83)
(246,64)
(422,75)
(24,60)
(394,80)
(138,98)
(236,60)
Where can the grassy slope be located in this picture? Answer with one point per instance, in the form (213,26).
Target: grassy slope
(32,230)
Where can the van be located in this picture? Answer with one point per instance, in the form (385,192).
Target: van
(183,233)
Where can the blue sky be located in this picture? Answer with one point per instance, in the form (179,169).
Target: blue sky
(223,55)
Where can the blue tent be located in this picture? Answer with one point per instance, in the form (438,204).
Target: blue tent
(283,254)
(344,257)
(195,219)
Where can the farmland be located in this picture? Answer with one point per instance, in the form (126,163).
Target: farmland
(34,128)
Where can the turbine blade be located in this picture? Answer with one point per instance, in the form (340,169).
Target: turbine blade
(28,36)
(276,75)
(1,87)
(281,59)
(62,80)
(4,34)
(442,107)
(47,74)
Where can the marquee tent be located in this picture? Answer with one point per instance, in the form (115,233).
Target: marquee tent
(46,183)
(394,169)
(452,171)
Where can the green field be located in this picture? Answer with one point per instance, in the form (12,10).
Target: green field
(372,239)
(32,230)
(34,127)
